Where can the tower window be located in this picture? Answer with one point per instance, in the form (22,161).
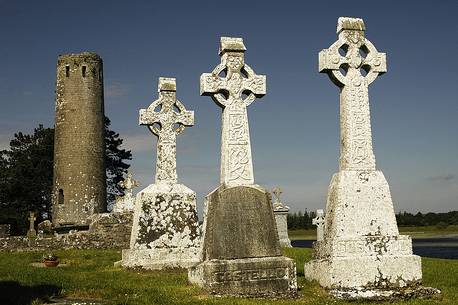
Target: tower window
(84,71)
(60,197)
(67,71)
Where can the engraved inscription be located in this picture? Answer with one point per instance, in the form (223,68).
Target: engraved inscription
(249,275)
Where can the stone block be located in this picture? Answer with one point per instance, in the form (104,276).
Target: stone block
(165,232)
(254,277)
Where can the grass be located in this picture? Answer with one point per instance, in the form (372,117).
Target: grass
(90,274)
(415,232)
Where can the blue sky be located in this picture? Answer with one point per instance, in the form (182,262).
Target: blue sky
(294,128)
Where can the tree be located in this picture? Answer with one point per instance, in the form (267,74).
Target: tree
(26,174)
(114,161)
(26,171)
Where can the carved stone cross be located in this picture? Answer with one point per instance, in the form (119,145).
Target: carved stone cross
(277,192)
(166,118)
(129,183)
(234,86)
(32,219)
(318,221)
(353,63)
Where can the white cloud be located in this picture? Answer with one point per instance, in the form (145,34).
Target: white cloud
(116,89)
(139,143)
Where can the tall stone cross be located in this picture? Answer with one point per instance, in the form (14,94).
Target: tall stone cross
(129,184)
(166,117)
(32,219)
(233,85)
(353,63)
(318,221)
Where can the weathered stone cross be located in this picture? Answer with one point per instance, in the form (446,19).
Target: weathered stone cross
(166,124)
(277,192)
(234,86)
(129,184)
(353,63)
(318,221)
(32,219)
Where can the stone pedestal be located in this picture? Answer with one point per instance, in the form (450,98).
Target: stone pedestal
(241,251)
(281,219)
(362,248)
(165,229)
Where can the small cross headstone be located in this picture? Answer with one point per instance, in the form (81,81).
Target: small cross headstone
(129,183)
(318,221)
(31,232)
(277,192)
(234,86)
(166,118)
(353,63)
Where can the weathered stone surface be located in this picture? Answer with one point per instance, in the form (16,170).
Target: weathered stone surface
(281,218)
(165,231)
(318,221)
(126,203)
(31,233)
(361,248)
(79,170)
(254,277)
(5,230)
(240,247)
(45,227)
(239,224)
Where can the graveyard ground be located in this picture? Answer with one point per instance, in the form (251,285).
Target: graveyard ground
(90,275)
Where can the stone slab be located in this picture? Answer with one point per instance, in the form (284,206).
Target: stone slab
(165,232)
(254,277)
(239,223)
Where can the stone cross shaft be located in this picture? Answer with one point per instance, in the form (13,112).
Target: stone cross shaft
(166,118)
(32,219)
(233,85)
(353,63)
(129,183)
(318,221)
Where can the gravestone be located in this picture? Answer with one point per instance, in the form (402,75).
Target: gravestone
(126,203)
(240,247)
(31,233)
(362,252)
(45,227)
(281,218)
(318,221)
(165,231)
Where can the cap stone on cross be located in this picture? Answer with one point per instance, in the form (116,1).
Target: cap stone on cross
(350,23)
(167,84)
(228,44)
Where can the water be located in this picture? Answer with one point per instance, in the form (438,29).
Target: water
(446,247)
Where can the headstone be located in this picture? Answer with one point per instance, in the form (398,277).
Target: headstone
(318,221)
(31,233)
(45,227)
(281,218)
(241,252)
(362,248)
(126,203)
(165,231)
(5,230)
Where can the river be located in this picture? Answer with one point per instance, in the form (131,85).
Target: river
(440,247)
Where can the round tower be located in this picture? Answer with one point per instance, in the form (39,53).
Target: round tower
(79,188)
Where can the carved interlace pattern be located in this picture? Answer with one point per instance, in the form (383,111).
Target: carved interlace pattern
(166,118)
(361,63)
(234,92)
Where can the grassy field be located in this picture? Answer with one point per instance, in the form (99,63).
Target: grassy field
(415,232)
(90,275)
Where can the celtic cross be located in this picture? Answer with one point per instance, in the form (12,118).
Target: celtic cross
(353,63)
(277,192)
(318,221)
(129,183)
(166,118)
(233,85)
(32,219)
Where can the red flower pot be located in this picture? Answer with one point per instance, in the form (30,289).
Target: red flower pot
(50,263)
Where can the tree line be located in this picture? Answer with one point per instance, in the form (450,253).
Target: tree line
(26,174)
(303,220)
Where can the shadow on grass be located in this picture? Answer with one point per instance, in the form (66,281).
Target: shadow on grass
(14,293)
